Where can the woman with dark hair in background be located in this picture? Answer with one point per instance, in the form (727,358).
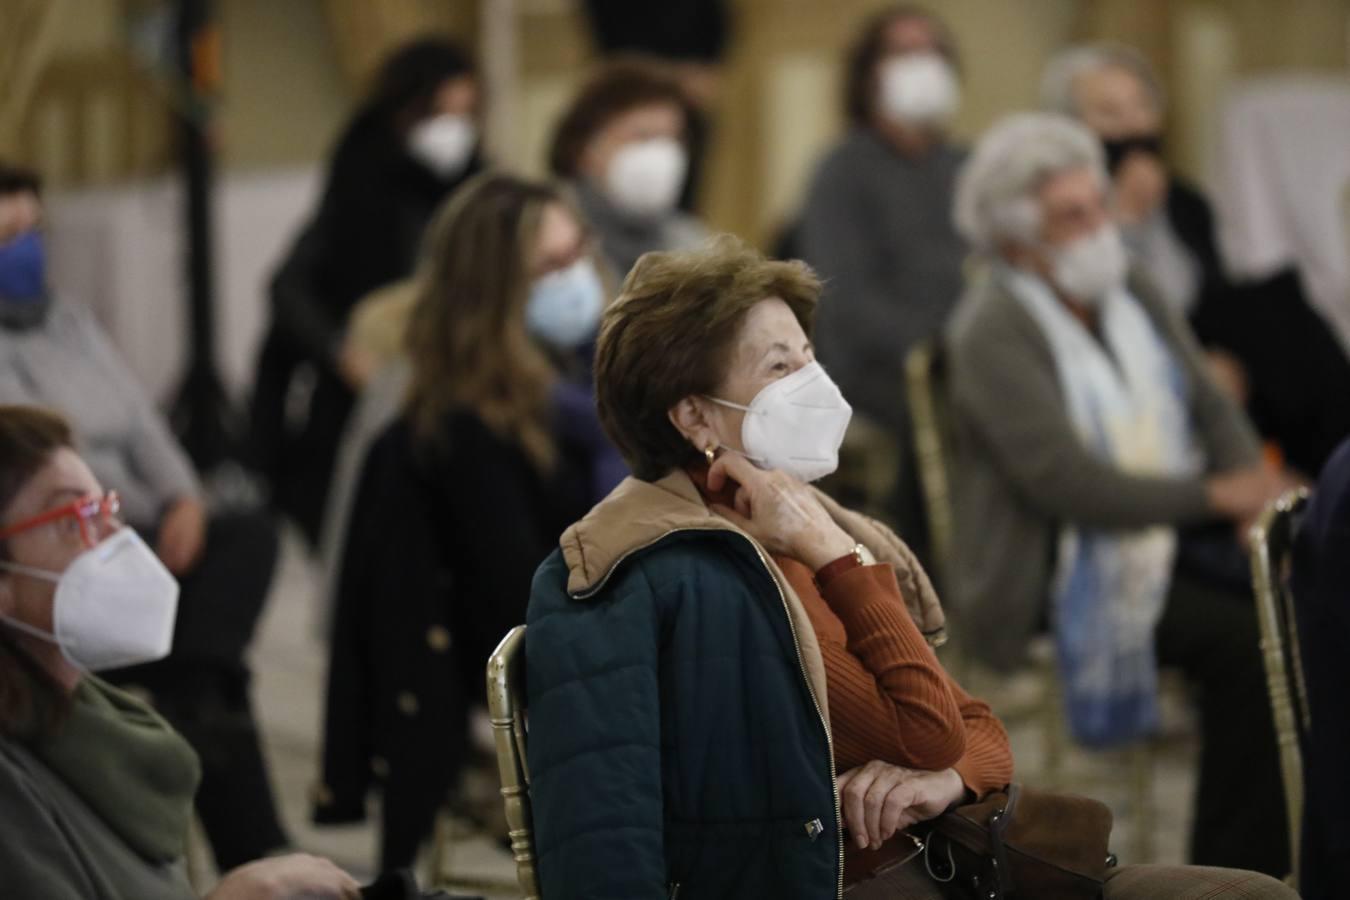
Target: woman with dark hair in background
(498,449)
(623,145)
(410,144)
(877,223)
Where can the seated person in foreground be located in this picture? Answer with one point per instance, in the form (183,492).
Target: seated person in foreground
(53,353)
(726,668)
(95,787)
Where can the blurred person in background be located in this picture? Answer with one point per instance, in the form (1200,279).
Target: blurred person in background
(1321,574)
(53,353)
(498,449)
(413,141)
(622,146)
(690,37)
(1274,352)
(1089,431)
(877,222)
(96,788)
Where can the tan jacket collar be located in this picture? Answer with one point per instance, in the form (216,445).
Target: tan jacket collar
(638,514)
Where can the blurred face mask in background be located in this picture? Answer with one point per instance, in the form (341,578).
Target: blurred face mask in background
(564,306)
(1091,267)
(919,89)
(443,143)
(114,606)
(23,269)
(644,178)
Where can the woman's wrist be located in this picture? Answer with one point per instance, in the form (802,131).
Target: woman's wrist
(828,547)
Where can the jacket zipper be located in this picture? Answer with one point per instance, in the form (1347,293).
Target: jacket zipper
(801,667)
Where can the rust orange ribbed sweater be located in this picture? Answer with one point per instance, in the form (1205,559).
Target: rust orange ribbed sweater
(890,698)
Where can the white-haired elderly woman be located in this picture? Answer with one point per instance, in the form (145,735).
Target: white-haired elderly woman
(1088,430)
(1264,342)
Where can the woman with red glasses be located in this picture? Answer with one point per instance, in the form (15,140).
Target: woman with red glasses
(96,789)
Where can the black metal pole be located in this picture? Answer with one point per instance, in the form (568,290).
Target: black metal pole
(200,414)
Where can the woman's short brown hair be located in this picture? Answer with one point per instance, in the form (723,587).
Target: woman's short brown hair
(620,86)
(670,335)
(29,435)
(868,49)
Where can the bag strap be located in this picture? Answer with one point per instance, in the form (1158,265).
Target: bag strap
(999,823)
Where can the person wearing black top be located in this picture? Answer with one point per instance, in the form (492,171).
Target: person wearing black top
(496,451)
(412,142)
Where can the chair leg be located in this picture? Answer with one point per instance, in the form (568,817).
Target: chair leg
(1142,769)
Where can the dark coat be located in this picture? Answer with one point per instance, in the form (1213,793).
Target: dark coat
(678,705)
(367,232)
(1321,585)
(1298,375)
(440,549)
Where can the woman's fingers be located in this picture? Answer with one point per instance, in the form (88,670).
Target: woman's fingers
(853,786)
(884,785)
(895,811)
(742,502)
(733,466)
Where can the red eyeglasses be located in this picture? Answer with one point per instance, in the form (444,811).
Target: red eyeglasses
(96,517)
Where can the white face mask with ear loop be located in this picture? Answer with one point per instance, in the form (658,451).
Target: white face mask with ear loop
(114,606)
(795,424)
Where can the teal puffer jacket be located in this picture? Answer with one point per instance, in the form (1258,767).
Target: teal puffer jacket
(675,747)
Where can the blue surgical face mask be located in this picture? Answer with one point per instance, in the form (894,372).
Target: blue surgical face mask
(23,269)
(564,306)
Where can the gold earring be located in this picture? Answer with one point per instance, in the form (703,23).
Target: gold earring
(710,452)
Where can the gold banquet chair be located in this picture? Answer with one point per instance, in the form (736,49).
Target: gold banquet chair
(506,708)
(1272,545)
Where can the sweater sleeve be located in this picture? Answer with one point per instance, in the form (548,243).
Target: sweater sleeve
(845,246)
(987,764)
(36,855)
(889,698)
(152,450)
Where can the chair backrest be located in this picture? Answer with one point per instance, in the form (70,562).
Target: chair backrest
(1272,540)
(926,390)
(506,708)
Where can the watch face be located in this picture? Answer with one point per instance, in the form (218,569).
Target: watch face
(864,555)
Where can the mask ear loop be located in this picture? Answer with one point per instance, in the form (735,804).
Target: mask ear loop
(31,572)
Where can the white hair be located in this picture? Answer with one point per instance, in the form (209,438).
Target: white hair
(995,191)
(1067,66)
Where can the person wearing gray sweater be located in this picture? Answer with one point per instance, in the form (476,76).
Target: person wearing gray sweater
(1088,434)
(53,354)
(876,225)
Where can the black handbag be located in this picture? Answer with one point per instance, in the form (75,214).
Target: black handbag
(1021,844)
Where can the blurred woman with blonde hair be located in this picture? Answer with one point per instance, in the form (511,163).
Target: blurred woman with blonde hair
(498,449)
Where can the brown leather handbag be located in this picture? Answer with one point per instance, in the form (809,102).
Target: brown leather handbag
(1019,844)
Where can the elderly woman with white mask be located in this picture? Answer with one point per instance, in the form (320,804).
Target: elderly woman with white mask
(1088,430)
(877,225)
(96,788)
(622,145)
